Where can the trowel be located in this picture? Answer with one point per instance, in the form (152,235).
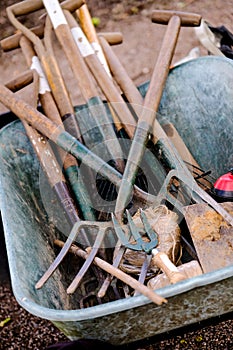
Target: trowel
(212,236)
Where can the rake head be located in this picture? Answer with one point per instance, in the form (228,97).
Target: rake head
(139,244)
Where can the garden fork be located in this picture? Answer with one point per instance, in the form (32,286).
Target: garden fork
(154,256)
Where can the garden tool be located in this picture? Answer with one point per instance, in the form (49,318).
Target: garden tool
(90,32)
(101,76)
(66,141)
(87,31)
(49,107)
(154,256)
(152,99)
(46,58)
(70,144)
(47,158)
(132,282)
(46,155)
(62,138)
(87,87)
(113,95)
(48,61)
(211,235)
(12,42)
(135,98)
(102,229)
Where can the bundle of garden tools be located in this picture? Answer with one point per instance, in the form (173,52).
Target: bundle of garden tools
(123,185)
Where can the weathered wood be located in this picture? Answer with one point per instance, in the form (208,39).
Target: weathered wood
(132,282)
(187,19)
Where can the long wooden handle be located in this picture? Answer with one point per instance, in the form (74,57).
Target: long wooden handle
(12,42)
(148,114)
(28,6)
(90,32)
(53,73)
(132,282)
(161,260)
(106,84)
(187,19)
(120,75)
(43,149)
(55,132)
(161,69)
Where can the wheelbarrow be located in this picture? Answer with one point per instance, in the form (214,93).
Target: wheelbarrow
(197,100)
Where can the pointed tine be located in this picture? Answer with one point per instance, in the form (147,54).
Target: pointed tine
(133,228)
(149,230)
(119,232)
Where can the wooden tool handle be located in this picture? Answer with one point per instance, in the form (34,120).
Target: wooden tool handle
(161,260)
(12,42)
(162,67)
(142,289)
(126,84)
(187,19)
(113,38)
(86,23)
(189,269)
(28,6)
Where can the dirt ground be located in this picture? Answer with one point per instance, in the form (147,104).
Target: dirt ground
(138,53)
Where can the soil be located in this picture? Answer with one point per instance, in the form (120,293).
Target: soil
(138,52)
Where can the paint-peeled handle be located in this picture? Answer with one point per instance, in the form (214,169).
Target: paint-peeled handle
(162,260)
(187,19)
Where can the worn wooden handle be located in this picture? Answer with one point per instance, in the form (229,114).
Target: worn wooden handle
(161,260)
(187,19)
(12,42)
(28,6)
(132,282)
(113,38)
(189,269)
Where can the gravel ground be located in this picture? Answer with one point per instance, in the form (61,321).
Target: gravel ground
(24,331)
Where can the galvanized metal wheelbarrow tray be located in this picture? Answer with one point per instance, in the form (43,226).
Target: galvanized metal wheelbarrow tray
(198,100)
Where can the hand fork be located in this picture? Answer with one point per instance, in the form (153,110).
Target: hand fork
(156,257)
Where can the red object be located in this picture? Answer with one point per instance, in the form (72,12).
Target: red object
(223,187)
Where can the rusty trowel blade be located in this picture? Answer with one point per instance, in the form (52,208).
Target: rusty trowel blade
(211,235)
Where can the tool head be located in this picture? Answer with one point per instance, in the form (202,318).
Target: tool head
(139,244)
(187,19)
